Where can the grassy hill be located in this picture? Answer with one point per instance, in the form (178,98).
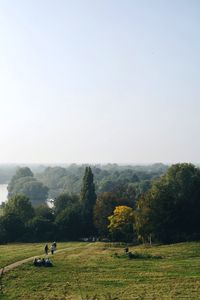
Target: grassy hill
(103,271)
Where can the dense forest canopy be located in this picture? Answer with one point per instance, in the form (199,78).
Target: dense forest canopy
(106,177)
(170,209)
(7,171)
(139,204)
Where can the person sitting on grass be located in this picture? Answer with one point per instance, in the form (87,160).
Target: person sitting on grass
(48,263)
(43,261)
(35,262)
(38,262)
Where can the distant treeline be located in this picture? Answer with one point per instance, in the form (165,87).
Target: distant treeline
(153,203)
(106,177)
(68,179)
(74,172)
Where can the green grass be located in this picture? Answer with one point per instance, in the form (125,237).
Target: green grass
(94,269)
(13,252)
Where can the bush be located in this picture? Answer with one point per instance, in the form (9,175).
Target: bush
(136,255)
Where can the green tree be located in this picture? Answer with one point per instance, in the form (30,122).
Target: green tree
(12,228)
(69,223)
(23,172)
(104,207)
(171,207)
(88,200)
(143,224)
(23,182)
(44,211)
(63,201)
(41,229)
(20,206)
(2,231)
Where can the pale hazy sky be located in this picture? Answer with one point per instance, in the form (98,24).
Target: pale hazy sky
(99,81)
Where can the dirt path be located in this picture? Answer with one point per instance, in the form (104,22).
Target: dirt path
(23,261)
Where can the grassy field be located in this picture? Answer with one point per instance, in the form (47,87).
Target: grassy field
(14,252)
(102,272)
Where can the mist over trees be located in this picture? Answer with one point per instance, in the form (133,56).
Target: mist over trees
(6,173)
(106,178)
(68,179)
(24,183)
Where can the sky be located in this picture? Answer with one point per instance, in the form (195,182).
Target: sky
(99,81)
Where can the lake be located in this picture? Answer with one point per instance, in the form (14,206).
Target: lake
(3,192)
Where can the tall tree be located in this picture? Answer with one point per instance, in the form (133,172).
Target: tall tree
(88,200)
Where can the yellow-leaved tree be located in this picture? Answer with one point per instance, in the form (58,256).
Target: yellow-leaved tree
(121,224)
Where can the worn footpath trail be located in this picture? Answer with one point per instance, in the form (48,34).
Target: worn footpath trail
(23,261)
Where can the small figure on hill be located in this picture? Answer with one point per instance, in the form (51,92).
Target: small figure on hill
(46,249)
(53,248)
(130,255)
(55,245)
(126,250)
(35,262)
(39,262)
(48,263)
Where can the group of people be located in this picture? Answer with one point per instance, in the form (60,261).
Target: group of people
(39,262)
(52,248)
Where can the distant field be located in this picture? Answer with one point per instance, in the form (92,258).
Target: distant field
(103,270)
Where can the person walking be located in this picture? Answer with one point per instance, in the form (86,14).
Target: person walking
(46,249)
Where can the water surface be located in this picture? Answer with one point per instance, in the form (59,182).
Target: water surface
(3,192)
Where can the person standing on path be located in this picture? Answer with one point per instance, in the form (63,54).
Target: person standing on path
(55,245)
(53,248)
(46,249)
